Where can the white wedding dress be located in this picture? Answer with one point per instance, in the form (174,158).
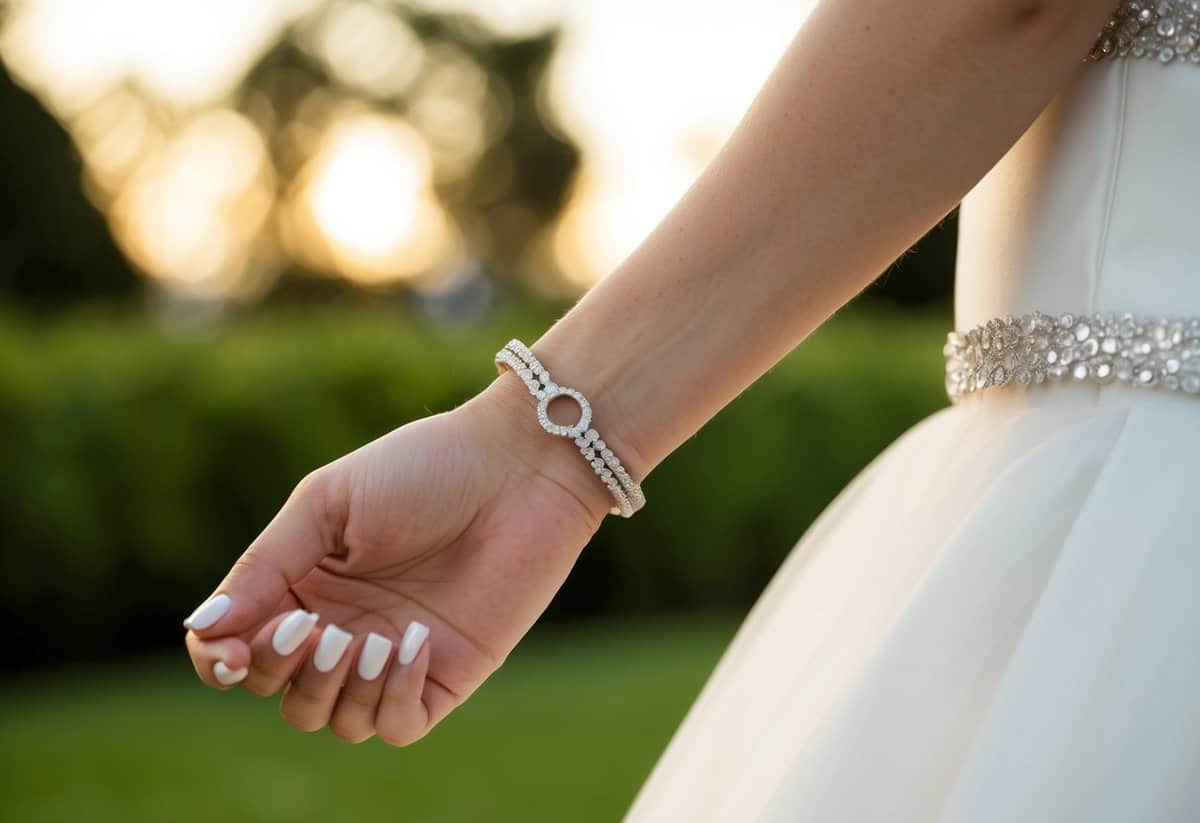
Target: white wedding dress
(998,619)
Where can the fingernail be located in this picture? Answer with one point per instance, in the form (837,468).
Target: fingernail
(293,631)
(208,612)
(330,648)
(374,656)
(227,676)
(414,636)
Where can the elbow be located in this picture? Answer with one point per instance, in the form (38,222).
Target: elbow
(1048,23)
(1037,15)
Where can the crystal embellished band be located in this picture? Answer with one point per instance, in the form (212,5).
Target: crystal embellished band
(1163,30)
(627,493)
(1146,352)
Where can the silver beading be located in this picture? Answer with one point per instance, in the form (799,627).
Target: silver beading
(1163,30)
(1147,352)
(607,466)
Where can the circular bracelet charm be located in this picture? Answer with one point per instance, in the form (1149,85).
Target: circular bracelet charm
(607,466)
(548,394)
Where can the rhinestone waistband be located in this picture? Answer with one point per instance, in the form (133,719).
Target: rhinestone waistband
(1161,352)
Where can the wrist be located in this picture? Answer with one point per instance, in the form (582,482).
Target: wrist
(601,381)
(510,414)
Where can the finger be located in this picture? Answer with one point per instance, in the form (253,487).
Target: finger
(221,663)
(402,717)
(353,718)
(313,691)
(278,650)
(297,538)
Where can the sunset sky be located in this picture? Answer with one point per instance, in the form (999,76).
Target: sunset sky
(649,90)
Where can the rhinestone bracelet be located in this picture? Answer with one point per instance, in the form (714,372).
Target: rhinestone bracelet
(1146,352)
(607,466)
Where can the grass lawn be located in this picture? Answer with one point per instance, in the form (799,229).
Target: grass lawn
(565,732)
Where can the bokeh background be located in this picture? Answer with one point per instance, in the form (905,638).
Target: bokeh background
(238,239)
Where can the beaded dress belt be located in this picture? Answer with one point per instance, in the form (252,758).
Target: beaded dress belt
(1146,352)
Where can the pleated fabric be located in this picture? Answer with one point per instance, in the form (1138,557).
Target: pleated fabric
(996,620)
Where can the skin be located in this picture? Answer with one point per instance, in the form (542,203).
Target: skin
(870,129)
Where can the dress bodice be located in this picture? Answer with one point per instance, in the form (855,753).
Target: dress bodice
(1095,209)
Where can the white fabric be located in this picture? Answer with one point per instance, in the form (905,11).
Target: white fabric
(998,619)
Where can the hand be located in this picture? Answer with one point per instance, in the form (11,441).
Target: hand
(465,523)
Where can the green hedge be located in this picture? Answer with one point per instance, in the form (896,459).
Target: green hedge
(139,460)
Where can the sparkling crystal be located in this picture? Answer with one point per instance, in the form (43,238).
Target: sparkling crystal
(625,491)
(1149,352)
(1161,30)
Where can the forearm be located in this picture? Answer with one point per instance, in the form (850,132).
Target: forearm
(873,125)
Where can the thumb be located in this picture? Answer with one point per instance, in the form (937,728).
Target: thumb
(299,536)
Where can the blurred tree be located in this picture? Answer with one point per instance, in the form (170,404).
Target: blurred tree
(55,247)
(501,167)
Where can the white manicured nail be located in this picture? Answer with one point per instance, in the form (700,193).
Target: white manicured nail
(293,631)
(330,648)
(227,676)
(374,656)
(414,636)
(208,612)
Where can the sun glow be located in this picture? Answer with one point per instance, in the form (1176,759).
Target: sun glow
(648,91)
(368,196)
(190,214)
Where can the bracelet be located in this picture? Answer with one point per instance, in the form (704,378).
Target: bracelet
(627,493)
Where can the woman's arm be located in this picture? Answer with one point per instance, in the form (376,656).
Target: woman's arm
(448,537)
(877,120)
